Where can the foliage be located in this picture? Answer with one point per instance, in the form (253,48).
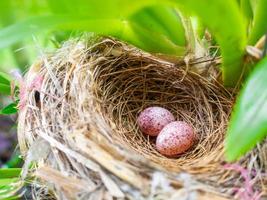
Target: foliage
(259,21)
(5,88)
(10,109)
(10,173)
(249,119)
(5,82)
(147,29)
(9,183)
(232,40)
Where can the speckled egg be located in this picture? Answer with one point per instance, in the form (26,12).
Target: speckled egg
(175,138)
(152,120)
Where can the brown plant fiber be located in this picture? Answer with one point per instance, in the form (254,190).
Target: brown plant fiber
(83,128)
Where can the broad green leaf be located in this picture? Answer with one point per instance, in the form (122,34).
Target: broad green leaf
(31,26)
(9,188)
(7,181)
(109,18)
(232,40)
(161,20)
(153,30)
(7,14)
(10,183)
(248,124)
(151,41)
(10,109)
(259,27)
(225,21)
(107,9)
(246,9)
(5,78)
(5,84)
(118,28)
(15,197)
(10,173)
(14,161)
(60,6)
(5,89)
(254,5)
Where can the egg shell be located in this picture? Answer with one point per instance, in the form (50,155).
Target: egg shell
(175,138)
(152,120)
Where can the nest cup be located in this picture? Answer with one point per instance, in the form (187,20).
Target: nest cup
(89,102)
(128,85)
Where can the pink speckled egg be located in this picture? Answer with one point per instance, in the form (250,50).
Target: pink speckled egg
(152,120)
(175,138)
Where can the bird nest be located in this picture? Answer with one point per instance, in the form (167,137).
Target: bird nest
(79,136)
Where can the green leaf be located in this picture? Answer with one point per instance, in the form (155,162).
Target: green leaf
(10,173)
(10,109)
(225,21)
(5,89)
(246,9)
(5,78)
(111,18)
(10,183)
(162,20)
(259,23)
(14,161)
(119,28)
(31,26)
(151,41)
(16,197)
(248,124)
(7,181)
(9,188)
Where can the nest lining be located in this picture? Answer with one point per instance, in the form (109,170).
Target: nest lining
(124,87)
(91,97)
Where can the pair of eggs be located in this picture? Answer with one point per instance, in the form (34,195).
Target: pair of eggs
(173,137)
